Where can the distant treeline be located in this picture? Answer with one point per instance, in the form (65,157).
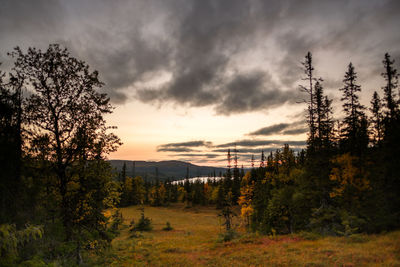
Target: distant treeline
(162,170)
(346,181)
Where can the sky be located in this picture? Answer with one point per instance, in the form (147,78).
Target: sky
(190,79)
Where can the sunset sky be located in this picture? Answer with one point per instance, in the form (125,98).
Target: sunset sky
(190,78)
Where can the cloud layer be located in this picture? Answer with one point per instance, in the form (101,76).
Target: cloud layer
(205,151)
(294,128)
(232,55)
(183,146)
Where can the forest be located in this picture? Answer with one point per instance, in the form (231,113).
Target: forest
(60,199)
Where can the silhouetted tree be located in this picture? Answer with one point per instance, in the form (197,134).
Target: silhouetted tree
(377,117)
(391,78)
(309,89)
(65,110)
(324,122)
(10,145)
(354,132)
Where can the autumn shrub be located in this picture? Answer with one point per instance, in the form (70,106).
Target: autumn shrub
(309,235)
(228,236)
(116,222)
(12,241)
(144,223)
(168,227)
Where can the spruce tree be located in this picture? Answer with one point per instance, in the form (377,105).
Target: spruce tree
(354,131)
(376,119)
(391,78)
(327,123)
(390,142)
(10,146)
(324,122)
(309,89)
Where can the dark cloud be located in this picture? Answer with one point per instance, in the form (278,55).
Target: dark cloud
(295,131)
(19,18)
(253,91)
(243,151)
(183,146)
(266,149)
(293,128)
(269,130)
(194,53)
(188,144)
(174,149)
(208,34)
(255,143)
(201,155)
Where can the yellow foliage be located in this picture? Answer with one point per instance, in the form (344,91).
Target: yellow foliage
(245,201)
(207,191)
(246,178)
(246,211)
(181,193)
(347,175)
(269,177)
(162,192)
(107,213)
(214,194)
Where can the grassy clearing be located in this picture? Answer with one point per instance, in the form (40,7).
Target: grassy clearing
(194,242)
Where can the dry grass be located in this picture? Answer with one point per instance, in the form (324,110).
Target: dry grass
(194,242)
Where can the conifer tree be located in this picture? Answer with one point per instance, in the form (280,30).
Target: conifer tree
(262,160)
(328,123)
(319,102)
(309,89)
(324,123)
(391,78)
(10,145)
(390,141)
(354,132)
(376,119)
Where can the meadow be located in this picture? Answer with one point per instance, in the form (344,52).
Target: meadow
(196,241)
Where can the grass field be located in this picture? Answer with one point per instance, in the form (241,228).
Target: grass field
(195,242)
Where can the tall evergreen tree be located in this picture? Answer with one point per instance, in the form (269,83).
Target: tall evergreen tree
(327,123)
(10,145)
(391,78)
(262,160)
(319,103)
(377,118)
(309,89)
(390,142)
(323,115)
(354,132)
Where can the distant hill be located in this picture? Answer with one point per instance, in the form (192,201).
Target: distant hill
(172,169)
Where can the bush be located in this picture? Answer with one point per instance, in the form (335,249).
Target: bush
(228,236)
(168,227)
(358,238)
(116,222)
(310,235)
(144,224)
(12,241)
